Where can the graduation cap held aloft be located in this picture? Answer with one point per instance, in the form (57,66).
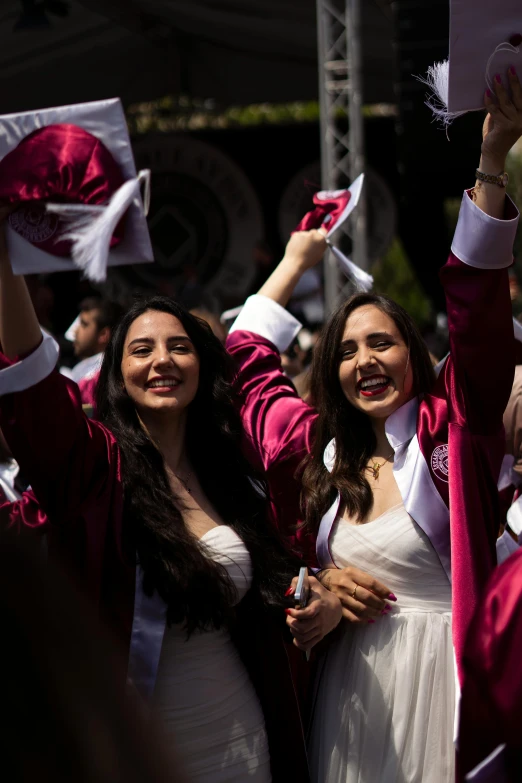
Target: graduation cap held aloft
(69,175)
(331,209)
(485,40)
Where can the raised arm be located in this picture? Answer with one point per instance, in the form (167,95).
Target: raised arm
(19,329)
(480,373)
(65,458)
(276,420)
(304,250)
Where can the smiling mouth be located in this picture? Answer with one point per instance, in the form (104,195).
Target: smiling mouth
(372,387)
(163,384)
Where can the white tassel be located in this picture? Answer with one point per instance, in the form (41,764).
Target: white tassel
(361,280)
(90,228)
(437,79)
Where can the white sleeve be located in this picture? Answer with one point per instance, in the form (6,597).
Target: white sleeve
(481,240)
(268,319)
(31,370)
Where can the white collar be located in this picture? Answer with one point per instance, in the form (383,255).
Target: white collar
(86,367)
(401,426)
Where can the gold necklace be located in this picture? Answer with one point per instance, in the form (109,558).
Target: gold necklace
(375,468)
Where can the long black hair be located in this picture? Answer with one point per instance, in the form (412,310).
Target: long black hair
(354,437)
(196,589)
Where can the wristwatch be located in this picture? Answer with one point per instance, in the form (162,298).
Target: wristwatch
(500,179)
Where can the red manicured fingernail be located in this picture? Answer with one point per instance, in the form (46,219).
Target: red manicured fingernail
(289,591)
(489,93)
(386,610)
(371,622)
(498,78)
(287,611)
(391,597)
(512,70)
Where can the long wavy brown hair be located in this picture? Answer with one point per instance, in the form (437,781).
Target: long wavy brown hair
(197,590)
(351,428)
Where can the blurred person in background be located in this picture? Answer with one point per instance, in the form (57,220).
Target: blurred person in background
(218,329)
(90,333)
(511,474)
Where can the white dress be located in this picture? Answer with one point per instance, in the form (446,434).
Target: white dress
(203,692)
(384,710)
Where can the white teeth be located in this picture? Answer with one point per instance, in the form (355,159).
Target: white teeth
(377,381)
(163,382)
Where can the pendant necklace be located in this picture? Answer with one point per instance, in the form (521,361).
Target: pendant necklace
(375,468)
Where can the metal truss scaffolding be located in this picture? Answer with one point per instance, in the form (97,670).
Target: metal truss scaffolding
(342,144)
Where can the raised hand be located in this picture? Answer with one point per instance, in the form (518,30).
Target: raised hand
(503,124)
(306,248)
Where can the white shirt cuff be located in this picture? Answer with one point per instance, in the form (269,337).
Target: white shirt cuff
(268,319)
(31,370)
(481,240)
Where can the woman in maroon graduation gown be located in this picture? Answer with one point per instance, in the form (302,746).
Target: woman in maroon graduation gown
(401,467)
(159,517)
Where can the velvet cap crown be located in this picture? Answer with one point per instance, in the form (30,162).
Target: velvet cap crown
(59,163)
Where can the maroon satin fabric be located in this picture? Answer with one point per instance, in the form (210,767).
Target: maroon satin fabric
(278,433)
(478,384)
(334,207)
(87,388)
(73,464)
(491,707)
(62,163)
(22,515)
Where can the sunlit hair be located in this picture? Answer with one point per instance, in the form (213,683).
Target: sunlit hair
(197,590)
(351,428)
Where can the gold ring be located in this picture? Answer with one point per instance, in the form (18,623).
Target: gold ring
(354,591)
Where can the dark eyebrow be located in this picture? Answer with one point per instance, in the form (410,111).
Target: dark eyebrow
(149,341)
(386,335)
(371,336)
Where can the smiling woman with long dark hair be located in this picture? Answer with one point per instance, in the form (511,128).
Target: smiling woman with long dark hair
(354,451)
(395,498)
(165,525)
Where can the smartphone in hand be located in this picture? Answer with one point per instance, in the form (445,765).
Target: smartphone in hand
(302,590)
(302,595)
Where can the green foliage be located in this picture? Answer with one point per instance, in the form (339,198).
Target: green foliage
(185,114)
(394,276)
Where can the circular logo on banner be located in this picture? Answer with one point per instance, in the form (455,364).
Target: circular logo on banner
(439,462)
(296,201)
(34,223)
(204,218)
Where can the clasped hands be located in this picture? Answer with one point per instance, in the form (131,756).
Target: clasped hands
(339,592)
